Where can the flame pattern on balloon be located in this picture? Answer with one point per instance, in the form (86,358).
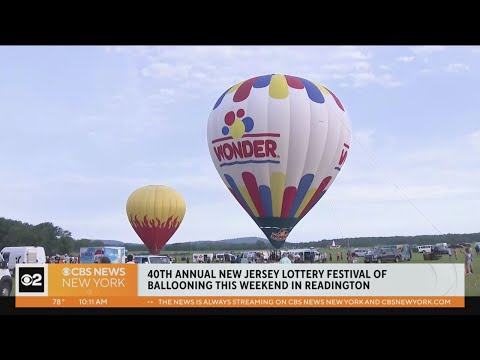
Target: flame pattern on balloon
(161,209)
(153,231)
(278,142)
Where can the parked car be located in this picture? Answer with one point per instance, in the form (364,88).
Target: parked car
(360,252)
(152,259)
(382,255)
(456,246)
(440,250)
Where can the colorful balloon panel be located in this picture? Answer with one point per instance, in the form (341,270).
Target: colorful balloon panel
(278,142)
(155,213)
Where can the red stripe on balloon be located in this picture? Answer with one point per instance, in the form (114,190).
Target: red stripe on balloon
(316,196)
(244,90)
(240,202)
(294,82)
(337,100)
(288,198)
(252,188)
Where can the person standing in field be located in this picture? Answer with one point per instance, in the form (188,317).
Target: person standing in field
(130,259)
(468,261)
(471,260)
(455,253)
(449,254)
(104,260)
(285,259)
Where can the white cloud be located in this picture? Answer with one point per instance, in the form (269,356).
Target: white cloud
(389,191)
(347,67)
(426,50)
(350,52)
(405,59)
(474,140)
(388,80)
(362,78)
(201,181)
(165,70)
(164,96)
(457,67)
(425,70)
(476,50)
(364,137)
(145,164)
(218,67)
(385,67)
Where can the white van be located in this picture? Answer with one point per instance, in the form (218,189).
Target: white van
(23,255)
(306,255)
(151,259)
(202,258)
(424,248)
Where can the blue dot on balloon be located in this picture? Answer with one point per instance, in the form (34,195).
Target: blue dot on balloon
(225,130)
(248,122)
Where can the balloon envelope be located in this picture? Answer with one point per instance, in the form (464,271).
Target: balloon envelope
(278,142)
(155,213)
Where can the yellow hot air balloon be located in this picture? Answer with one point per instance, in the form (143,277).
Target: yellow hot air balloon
(155,213)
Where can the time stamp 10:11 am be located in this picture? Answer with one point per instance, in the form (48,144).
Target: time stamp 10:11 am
(82,302)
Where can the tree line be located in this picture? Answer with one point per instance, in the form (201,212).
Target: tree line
(56,240)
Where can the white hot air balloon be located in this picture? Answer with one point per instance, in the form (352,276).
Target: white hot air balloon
(278,142)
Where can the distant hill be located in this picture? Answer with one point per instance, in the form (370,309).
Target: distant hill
(243,240)
(111,242)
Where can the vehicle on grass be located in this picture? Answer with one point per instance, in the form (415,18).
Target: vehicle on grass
(424,248)
(152,259)
(305,255)
(383,255)
(6,282)
(443,250)
(23,255)
(360,252)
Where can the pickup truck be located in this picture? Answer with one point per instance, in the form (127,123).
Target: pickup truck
(383,255)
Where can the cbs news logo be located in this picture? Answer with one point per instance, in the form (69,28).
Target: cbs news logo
(31,279)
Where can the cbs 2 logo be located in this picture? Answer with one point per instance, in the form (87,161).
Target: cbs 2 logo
(31,280)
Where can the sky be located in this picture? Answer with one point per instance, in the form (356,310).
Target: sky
(81,127)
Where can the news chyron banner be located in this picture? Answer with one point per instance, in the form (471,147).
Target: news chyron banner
(240,285)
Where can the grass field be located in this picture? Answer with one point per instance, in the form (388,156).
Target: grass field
(472,281)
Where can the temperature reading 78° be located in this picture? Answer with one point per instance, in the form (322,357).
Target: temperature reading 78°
(58,301)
